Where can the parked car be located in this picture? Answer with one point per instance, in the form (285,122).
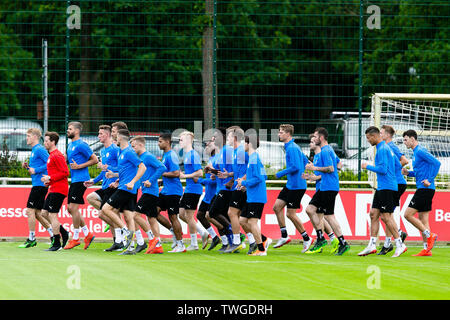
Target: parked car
(13,133)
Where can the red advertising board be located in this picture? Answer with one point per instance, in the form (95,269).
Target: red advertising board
(351,210)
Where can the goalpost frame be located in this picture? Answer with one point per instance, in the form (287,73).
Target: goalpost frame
(376,110)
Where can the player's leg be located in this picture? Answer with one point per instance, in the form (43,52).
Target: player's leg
(278,208)
(430,240)
(31,222)
(343,245)
(389,221)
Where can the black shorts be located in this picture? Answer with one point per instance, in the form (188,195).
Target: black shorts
(220,204)
(53,202)
(189,201)
(397,196)
(238,199)
(422,200)
(253,210)
(76,193)
(36,198)
(315,200)
(171,203)
(383,200)
(293,198)
(204,207)
(105,194)
(123,200)
(147,205)
(326,201)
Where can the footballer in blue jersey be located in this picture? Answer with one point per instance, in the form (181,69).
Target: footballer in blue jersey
(238,199)
(37,167)
(109,156)
(210,184)
(314,204)
(329,187)
(291,195)
(383,200)
(425,169)
(387,132)
(80,157)
(254,181)
(131,169)
(148,202)
(188,204)
(170,195)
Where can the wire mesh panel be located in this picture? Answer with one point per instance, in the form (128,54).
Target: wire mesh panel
(160,65)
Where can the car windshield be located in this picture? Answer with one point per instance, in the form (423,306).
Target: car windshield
(15,141)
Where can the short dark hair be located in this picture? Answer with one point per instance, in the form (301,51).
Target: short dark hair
(119,125)
(124,133)
(52,136)
(410,133)
(253,138)
(389,129)
(322,132)
(166,136)
(372,130)
(105,127)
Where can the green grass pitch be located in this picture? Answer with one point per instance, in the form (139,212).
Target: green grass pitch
(284,273)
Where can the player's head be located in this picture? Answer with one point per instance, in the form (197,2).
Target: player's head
(320,135)
(234,135)
(116,126)
(410,138)
(186,139)
(220,136)
(373,135)
(74,129)
(251,142)
(313,146)
(123,136)
(210,147)
(104,133)
(387,132)
(164,141)
(51,140)
(285,132)
(33,136)
(138,144)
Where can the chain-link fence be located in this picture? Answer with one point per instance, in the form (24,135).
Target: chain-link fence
(160,65)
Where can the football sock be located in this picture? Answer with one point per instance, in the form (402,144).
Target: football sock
(139,237)
(283,232)
(305,236)
(261,247)
(251,238)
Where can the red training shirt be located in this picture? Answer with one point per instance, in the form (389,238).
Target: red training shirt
(58,171)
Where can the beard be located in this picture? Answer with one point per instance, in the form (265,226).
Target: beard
(71,136)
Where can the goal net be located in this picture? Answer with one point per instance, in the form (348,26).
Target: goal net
(428,115)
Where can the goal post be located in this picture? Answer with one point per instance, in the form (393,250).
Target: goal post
(427,114)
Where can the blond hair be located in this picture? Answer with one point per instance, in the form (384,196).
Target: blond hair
(138,139)
(35,131)
(288,128)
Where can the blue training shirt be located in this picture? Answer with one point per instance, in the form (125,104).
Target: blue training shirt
(128,167)
(110,157)
(384,168)
(224,162)
(317,173)
(155,169)
(330,180)
(192,163)
(256,180)
(398,166)
(240,163)
(425,166)
(295,166)
(38,161)
(80,152)
(210,185)
(172,186)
